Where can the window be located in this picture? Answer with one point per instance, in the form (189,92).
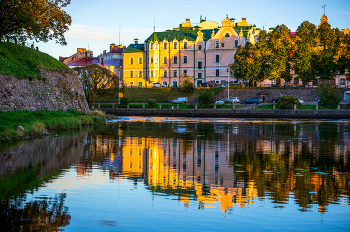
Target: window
(185,71)
(156,59)
(175,45)
(217,72)
(131,74)
(200,47)
(131,60)
(217,44)
(175,73)
(165,73)
(185,45)
(140,60)
(151,73)
(236,43)
(151,59)
(185,59)
(140,73)
(199,75)
(227,35)
(222,45)
(217,58)
(165,60)
(342,81)
(165,44)
(199,64)
(175,59)
(151,45)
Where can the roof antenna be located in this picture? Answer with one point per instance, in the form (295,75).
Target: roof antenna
(120,24)
(324,9)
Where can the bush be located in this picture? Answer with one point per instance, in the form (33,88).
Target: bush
(228,102)
(124,101)
(151,103)
(97,113)
(191,106)
(205,98)
(329,95)
(287,102)
(186,83)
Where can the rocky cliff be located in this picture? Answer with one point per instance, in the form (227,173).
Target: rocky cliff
(54,91)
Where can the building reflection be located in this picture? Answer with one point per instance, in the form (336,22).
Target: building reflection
(231,165)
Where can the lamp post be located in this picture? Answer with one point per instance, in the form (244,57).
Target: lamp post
(228,83)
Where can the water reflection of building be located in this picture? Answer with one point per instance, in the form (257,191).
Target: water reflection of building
(235,164)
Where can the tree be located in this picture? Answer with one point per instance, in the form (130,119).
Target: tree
(186,83)
(329,45)
(247,64)
(97,82)
(329,94)
(41,20)
(304,56)
(344,59)
(280,46)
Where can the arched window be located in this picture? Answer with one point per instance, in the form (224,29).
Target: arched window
(227,35)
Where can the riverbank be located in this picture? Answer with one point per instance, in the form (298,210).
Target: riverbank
(15,125)
(233,113)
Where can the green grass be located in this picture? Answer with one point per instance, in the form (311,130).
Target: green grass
(23,62)
(36,122)
(159,94)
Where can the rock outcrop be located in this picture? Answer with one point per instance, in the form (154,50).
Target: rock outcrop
(56,91)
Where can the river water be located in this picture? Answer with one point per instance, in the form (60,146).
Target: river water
(180,174)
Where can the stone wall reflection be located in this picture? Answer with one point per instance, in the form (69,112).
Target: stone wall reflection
(234,164)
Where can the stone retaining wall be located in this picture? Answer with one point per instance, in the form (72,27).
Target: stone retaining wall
(57,91)
(306,94)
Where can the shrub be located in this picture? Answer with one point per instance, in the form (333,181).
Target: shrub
(191,106)
(186,83)
(151,103)
(205,98)
(329,94)
(228,102)
(124,101)
(97,113)
(37,128)
(287,102)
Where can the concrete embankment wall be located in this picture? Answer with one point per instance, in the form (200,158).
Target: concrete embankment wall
(56,91)
(233,113)
(307,94)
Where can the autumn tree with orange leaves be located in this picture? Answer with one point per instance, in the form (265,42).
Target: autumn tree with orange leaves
(39,20)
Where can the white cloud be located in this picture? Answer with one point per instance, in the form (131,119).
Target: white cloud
(345,12)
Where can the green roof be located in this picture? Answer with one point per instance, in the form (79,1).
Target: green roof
(185,33)
(134,48)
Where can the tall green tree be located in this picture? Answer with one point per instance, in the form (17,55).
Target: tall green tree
(262,47)
(247,64)
(329,46)
(40,20)
(97,82)
(344,57)
(280,46)
(304,59)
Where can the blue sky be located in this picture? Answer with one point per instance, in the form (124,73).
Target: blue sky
(96,23)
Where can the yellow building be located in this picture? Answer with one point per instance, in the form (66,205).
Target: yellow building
(133,61)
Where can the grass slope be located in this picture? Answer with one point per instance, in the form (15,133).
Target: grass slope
(23,62)
(36,122)
(159,94)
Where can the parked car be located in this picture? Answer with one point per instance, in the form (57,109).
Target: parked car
(234,99)
(301,101)
(222,101)
(158,85)
(275,100)
(205,85)
(180,100)
(254,100)
(258,99)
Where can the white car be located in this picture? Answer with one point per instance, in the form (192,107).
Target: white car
(222,101)
(180,100)
(155,85)
(301,101)
(234,99)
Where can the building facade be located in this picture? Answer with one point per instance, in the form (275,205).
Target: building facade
(203,52)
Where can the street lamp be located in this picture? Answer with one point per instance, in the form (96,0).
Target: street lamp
(228,83)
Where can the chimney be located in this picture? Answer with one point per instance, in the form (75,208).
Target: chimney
(102,62)
(104,51)
(136,41)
